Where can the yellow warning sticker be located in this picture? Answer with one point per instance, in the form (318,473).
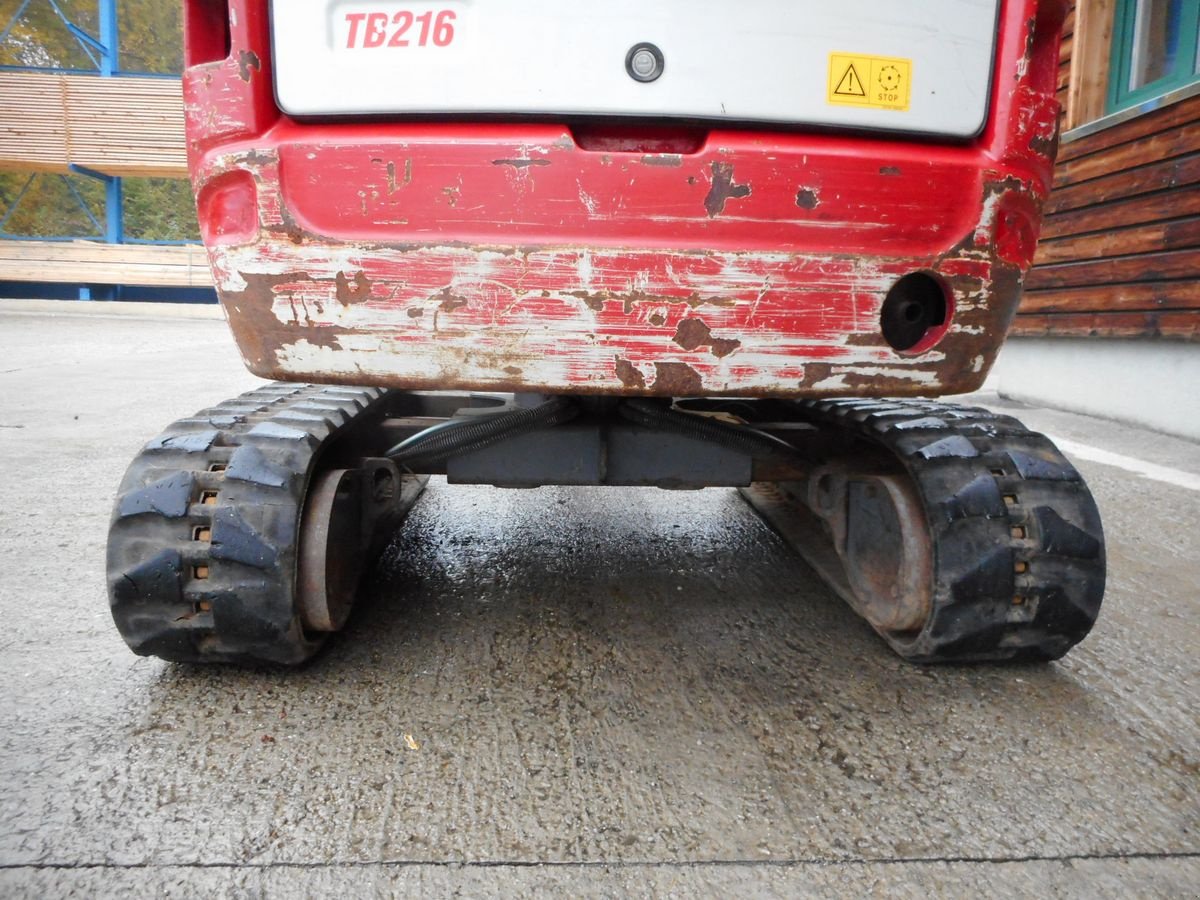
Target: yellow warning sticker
(874,82)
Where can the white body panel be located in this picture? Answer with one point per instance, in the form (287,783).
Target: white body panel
(757,60)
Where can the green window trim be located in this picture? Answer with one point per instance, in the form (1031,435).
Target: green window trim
(1121,62)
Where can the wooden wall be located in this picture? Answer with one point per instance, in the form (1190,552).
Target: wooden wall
(1064,57)
(1120,248)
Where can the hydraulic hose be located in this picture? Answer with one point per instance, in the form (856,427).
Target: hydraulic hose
(740,438)
(464,435)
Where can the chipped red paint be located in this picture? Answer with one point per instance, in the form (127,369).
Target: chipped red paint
(507,256)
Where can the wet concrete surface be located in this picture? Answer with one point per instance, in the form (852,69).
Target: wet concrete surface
(592,692)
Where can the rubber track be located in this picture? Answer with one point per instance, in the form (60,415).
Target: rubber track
(1019,564)
(202,547)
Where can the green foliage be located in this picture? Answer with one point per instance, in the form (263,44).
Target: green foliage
(40,38)
(151,35)
(160,209)
(49,208)
(156,209)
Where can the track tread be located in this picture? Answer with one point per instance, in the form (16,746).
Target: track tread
(1019,564)
(202,547)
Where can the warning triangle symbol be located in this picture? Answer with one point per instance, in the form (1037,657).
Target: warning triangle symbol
(851,84)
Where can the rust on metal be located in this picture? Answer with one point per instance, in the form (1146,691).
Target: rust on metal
(282,319)
(521,163)
(448,301)
(629,376)
(594,301)
(348,292)
(248,60)
(346,254)
(330,536)
(866,535)
(392,184)
(887,552)
(723,189)
(344,511)
(694,333)
(675,379)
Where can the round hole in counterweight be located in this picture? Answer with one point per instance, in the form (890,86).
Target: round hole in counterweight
(915,312)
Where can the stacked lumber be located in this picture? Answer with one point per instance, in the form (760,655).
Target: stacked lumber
(119,126)
(1120,249)
(88,262)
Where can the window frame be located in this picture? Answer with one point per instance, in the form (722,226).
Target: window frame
(1121,57)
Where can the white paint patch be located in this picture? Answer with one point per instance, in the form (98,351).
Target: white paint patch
(228,280)
(916,375)
(1165,474)
(833,382)
(584,270)
(987,218)
(481,269)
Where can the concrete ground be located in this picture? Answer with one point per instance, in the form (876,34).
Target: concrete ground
(566,692)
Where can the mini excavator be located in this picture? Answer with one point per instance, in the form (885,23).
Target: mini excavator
(680,245)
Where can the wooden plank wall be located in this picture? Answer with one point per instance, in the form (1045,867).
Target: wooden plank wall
(1120,248)
(119,126)
(1064,57)
(90,262)
(1084,61)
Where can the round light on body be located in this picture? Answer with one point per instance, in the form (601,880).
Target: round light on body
(644,62)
